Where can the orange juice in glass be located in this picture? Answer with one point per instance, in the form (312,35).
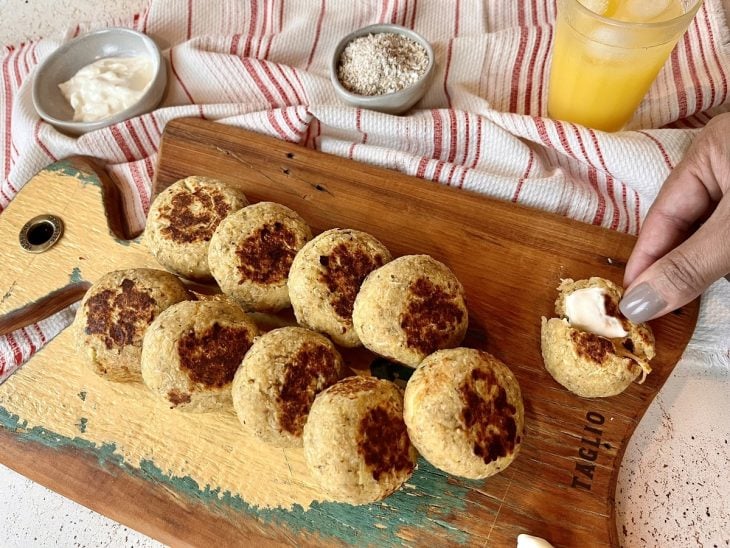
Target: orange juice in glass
(607,53)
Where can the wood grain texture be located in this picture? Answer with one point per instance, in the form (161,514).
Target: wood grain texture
(510,260)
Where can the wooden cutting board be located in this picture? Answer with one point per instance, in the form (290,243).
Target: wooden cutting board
(198,480)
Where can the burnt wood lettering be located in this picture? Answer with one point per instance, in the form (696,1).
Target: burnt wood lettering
(588,451)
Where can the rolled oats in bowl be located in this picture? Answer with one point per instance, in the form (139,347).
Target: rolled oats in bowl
(382,67)
(381,63)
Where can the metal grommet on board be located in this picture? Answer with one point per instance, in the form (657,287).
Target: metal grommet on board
(40,233)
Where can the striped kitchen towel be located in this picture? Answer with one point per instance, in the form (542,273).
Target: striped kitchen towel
(263,65)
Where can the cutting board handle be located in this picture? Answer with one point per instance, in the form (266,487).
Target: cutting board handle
(96,237)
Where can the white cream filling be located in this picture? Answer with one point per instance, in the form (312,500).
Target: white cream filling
(586,310)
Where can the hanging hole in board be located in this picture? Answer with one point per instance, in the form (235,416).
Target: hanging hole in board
(40,233)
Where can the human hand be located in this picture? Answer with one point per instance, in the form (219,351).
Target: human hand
(675,258)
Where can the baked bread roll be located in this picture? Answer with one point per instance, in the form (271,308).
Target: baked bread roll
(115,313)
(192,351)
(592,364)
(181,222)
(278,380)
(252,251)
(355,441)
(464,412)
(409,308)
(326,276)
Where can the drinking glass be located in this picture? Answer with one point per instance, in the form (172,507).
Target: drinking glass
(604,63)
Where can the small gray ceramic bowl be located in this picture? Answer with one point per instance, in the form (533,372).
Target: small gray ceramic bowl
(63,63)
(391,103)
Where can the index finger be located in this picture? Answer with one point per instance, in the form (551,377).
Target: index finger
(681,202)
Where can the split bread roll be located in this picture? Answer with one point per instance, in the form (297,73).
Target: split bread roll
(464,412)
(591,364)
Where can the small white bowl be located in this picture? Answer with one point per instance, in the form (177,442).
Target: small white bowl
(391,103)
(63,63)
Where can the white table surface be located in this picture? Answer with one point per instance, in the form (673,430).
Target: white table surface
(674,485)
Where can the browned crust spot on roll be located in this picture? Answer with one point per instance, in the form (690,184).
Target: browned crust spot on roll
(346,267)
(384,444)
(175,397)
(194,216)
(266,256)
(611,306)
(431,316)
(645,337)
(591,346)
(628,344)
(211,357)
(612,310)
(353,385)
(311,370)
(120,316)
(488,422)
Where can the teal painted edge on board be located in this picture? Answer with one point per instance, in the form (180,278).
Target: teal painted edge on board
(423,504)
(67,168)
(75,276)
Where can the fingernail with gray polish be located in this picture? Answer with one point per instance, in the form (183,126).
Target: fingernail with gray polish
(641,303)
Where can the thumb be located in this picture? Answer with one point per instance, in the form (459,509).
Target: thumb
(683,273)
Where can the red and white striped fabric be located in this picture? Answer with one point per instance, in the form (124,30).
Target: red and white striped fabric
(263,64)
